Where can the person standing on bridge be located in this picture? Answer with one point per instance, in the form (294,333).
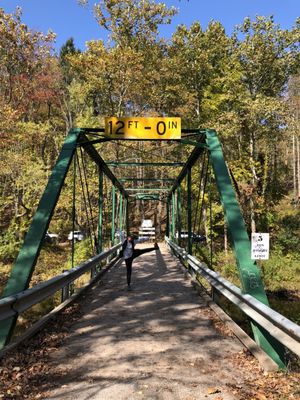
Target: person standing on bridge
(130,253)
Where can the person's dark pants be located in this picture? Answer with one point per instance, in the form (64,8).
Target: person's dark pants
(128,261)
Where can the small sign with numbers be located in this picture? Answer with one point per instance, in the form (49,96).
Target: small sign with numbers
(152,128)
(260,244)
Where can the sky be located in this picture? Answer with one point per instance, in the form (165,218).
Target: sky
(68,19)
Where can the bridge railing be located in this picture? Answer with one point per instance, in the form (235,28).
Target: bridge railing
(12,306)
(278,326)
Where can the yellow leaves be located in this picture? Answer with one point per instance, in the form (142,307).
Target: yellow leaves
(213,390)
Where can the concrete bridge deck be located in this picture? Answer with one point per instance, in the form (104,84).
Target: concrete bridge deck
(155,342)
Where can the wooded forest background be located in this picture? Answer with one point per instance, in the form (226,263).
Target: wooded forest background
(245,85)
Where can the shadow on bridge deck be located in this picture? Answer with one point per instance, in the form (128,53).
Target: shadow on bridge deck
(156,342)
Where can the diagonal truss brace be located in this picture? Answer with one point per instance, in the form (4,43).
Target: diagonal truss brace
(24,266)
(249,273)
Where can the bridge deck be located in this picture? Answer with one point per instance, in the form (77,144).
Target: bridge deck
(155,342)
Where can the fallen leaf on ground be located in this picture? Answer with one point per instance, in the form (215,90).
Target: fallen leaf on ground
(213,390)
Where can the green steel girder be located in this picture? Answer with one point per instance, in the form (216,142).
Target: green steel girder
(249,274)
(127,216)
(24,266)
(146,180)
(120,225)
(179,212)
(189,208)
(168,219)
(113,214)
(95,156)
(173,216)
(148,189)
(140,196)
(144,164)
(100,212)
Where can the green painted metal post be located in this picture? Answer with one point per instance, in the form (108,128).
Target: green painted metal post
(24,266)
(74,209)
(124,214)
(173,225)
(127,217)
(113,214)
(189,210)
(168,219)
(179,219)
(100,212)
(249,274)
(121,213)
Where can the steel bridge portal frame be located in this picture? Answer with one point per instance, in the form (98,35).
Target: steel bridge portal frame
(25,264)
(206,140)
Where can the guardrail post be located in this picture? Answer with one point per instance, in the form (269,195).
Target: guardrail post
(65,292)
(215,295)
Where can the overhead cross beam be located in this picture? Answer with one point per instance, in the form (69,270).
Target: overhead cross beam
(144,164)
(146,180)
(148,189)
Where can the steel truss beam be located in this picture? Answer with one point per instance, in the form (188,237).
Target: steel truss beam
(24,266)
(144,164)
(249,274)
(148,189)
(93,153)
(146,180)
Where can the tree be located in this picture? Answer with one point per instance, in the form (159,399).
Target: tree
(267,55)
(132,23)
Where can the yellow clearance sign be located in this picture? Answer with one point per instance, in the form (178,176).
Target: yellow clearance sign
(158,128)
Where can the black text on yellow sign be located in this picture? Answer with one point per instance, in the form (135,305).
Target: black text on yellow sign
(154,128)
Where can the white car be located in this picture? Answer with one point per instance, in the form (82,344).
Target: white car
(78,235)
(51,237)
(197,238)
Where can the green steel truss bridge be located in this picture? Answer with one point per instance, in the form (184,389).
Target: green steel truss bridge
(273,333)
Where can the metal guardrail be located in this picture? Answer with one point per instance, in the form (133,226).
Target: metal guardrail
(14,305)
(280,327)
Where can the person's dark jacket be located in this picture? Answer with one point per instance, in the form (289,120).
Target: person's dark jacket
(124,245)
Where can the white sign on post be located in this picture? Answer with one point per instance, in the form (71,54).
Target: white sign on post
(260,244)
